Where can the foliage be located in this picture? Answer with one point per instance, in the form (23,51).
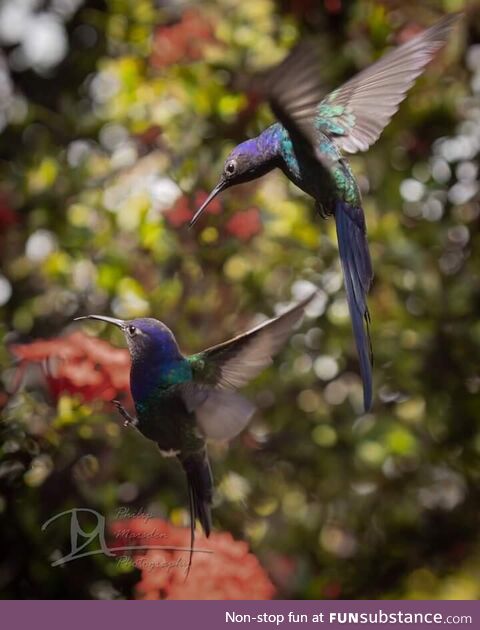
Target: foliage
(106,150)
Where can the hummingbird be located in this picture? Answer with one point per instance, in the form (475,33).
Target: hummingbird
(308,143)
(181,401)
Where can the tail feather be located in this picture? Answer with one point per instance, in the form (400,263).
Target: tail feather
(200,490)
(358,274)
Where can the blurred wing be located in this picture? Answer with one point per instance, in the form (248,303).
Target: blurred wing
(234,363)
(221,412)
(294,87)
(357,113)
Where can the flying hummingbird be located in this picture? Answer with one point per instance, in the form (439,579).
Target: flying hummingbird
(180,401)
(308,143)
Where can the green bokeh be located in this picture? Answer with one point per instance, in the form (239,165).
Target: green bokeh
(93,157)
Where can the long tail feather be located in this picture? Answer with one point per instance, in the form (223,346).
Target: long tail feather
(358,274)
(191,508)
(200,490)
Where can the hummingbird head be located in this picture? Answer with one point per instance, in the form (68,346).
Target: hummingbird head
(147,338)
(245,162)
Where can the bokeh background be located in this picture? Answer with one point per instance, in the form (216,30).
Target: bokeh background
(115,117)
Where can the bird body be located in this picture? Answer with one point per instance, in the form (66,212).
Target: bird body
(181,401)
(309,141)
(164,418)
(158,371)
(276,147)
(330,181)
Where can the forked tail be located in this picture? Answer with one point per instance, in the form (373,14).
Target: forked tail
(200,490)
(358,275)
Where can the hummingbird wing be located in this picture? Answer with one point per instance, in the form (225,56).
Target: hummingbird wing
(235,362)
(294,87)
(222,414)
(218,371)
(356,113)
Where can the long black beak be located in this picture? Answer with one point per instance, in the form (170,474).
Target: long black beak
(110,320)
(222,184)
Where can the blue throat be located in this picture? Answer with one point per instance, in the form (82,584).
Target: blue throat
(159,365)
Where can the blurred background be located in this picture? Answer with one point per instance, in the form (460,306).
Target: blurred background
(115,117)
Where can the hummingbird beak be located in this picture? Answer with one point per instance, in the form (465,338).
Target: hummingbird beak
(110,320)
(222,184)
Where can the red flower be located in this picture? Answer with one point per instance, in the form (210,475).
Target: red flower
(333,6)
(214,207)
(245,225)
(408,32)
(7,213)
(230,571)
(183,41)
(184,208)
(180,213)
(79,364)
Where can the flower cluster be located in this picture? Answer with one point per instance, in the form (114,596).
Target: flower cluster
(242,225)
(78,364)
(182,41)
(233,571)
(8,216)
(245,225)
(184,208)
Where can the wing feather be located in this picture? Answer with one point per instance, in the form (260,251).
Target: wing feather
(363,106)
(234,363)
(221,412)
(356,113)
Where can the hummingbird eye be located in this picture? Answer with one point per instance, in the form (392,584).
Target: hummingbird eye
(131,330)
(230,168)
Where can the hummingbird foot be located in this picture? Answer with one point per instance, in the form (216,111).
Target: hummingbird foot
(322,210)
(129,420)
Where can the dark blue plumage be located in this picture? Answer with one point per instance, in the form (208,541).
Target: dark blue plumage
(307,145)
(180,401)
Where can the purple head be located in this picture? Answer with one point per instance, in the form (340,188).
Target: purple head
(247,161)
(146,337)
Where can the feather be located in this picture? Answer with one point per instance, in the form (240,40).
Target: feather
(200,490)
(367,102)
(234,363)
(224,414)
(358,275)
(356,113)
(221,413)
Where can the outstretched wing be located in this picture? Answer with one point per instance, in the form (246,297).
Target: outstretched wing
(356,113)
(221,412)
(294,87)
(234,363)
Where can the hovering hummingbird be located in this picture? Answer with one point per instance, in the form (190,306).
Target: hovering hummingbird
(180,401)
(308,142)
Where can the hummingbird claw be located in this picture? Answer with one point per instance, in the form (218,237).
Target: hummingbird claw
(129,420)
